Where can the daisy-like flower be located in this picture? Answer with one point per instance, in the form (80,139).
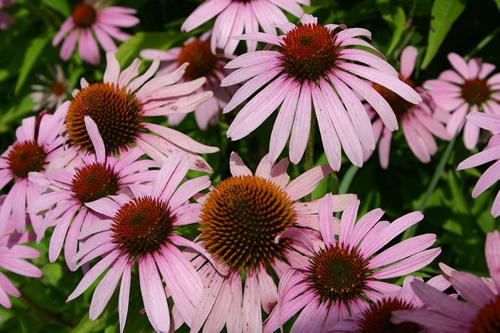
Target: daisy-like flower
(5,19)
(480,313)
(377,316)
(143,229)
(37,148)
(418,121)
(241,219)
(491,153)
(469,86)
(98,176)
(343,272)
(202,63)
(320,66)
(236,16)
(53,90)
(90,20)
(122,104)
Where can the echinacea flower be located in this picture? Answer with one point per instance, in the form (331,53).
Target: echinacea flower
(98,176)
(236,16)
(491,153)
(5,19)
(479,313)
(143,228)
(121,107)
(344,270)
(314,67)
(90,21)
(470,86)
(202,63)
(53,90)
(419,122)
(37,148)
(377,316)
(13,258)
(241,219)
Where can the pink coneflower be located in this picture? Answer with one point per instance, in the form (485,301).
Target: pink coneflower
(376,317)
(38,145)
(236,16)
(418,121)
(491,153)
(52,91)
(480,313)
(342,273)
(202,63)
(98,176)
(89,21)
(122,104)
(241,219)
(468,87)
(143,229)
(5,19)
(13,255)
(320,66)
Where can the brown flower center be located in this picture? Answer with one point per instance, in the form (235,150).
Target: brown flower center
(142,226)
(241,218)
(377,318)
(200,58)
(309,52)
(399,105)
(58,89)
(84,15)
(95,181)
(336,273)
(476,92)
(488,318)
(26,157)
(117,113)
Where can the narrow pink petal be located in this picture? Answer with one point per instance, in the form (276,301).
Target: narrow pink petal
(112,72)
(492,254)
(326,224)
(68,45)
(237,166)
(408,61)
(301,125)
(95,137)
(252,317)
(485,156)
(204,13)
(268,290)
(307,182)
(87,47)
(487,179)
(408,265)
(472,288)
(460,65)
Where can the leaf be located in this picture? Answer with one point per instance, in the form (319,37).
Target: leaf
(498,3)
(31,56)
(59,5)
(396,18)
(444,13)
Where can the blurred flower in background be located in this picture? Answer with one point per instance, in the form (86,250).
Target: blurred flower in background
(52,90)
(5,19)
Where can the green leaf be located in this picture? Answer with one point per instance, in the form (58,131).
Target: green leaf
(59,5)
(396,18)
(498,3)
(30,58)
(444,13)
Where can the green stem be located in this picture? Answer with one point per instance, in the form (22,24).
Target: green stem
(432,185)
(485,41)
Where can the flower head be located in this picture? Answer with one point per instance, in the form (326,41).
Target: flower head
(142,228)
(343,272)
(236,16)
(242,219)
(90,19)
(97,176)
(5,19)
(202,63)
(52,91)
(121,107)
(468,87)
(314,67)
(491,153)
(420,122)
(479,313)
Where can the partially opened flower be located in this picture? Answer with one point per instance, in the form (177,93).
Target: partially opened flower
(98,176)
(420,123)
(314,67)
(491,153)
(202,63)
(470,86)
(236,16)
(122,105)
(376,317)
(479,313)
(52,91)
(38,148)
(5,19)
(241,219)
(345,270)
(90,21)
(143,229)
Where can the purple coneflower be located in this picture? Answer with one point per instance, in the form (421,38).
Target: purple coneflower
(5,19)
(52,90)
